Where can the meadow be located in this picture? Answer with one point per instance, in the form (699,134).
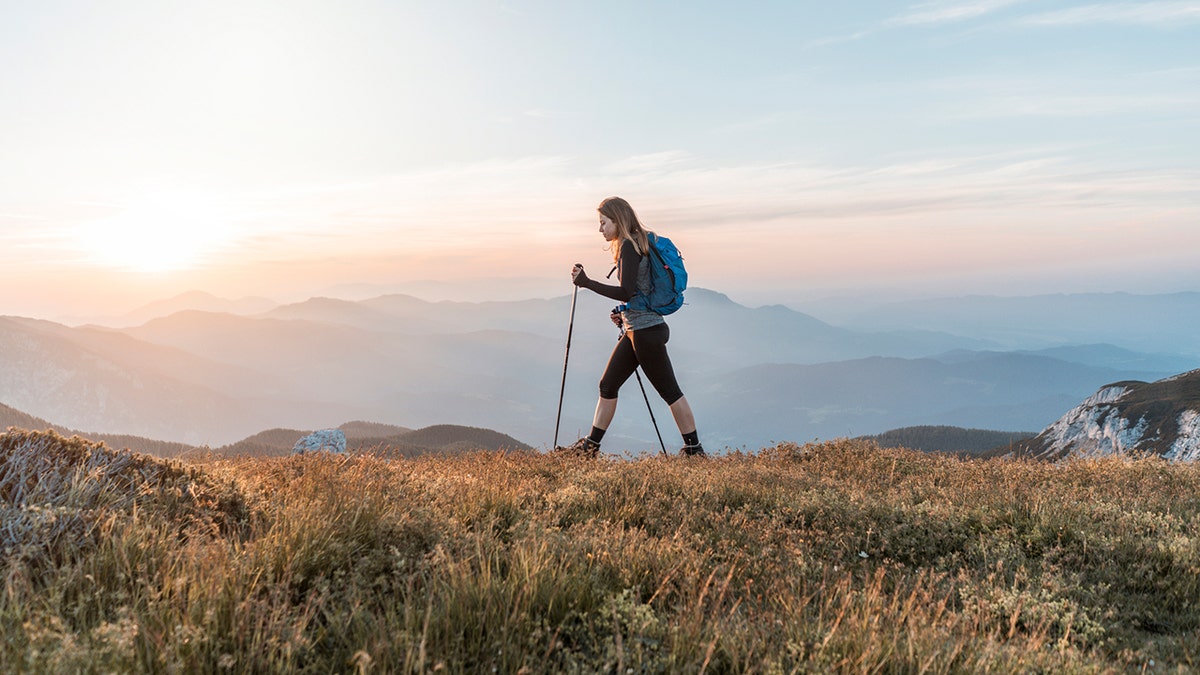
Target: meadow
(834,557)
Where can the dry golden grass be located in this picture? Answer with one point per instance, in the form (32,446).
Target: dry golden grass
(835,557)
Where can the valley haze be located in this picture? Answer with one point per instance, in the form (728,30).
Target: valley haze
(200,369)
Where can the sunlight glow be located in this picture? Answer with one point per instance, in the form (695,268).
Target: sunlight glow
(158,232)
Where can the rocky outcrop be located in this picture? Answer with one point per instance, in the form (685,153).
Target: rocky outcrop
(1135,418)
(327,440)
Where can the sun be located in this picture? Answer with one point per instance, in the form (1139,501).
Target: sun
(161,231)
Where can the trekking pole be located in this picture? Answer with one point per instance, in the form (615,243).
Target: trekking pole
(652,420)
(566,359)
(648,408)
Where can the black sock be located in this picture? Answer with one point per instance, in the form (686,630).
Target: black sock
(692,438)
(597,434)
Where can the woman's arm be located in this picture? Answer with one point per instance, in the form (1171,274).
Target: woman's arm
(627,273)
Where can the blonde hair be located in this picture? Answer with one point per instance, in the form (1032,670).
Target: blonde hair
(628,226)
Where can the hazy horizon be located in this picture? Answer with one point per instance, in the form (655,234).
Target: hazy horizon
(792,150)
(831,305)
(213,378)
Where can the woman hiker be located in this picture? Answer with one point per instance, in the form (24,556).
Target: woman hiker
(644,334)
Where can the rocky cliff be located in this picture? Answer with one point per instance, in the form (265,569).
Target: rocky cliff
(1161,418)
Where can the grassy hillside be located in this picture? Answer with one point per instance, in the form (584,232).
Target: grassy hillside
(460,437)
(384,439)
(837,557)
(11,417)
(360,429)
(948,439)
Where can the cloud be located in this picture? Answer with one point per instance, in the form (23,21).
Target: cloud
(535,212)
(652,163)
(550,199)
(949,12)
(1166,14)
(926,14)
(1158,13)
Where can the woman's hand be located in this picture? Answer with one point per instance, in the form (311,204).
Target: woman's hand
(615,317)
(578,276)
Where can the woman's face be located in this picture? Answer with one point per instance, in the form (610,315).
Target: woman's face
(607,228)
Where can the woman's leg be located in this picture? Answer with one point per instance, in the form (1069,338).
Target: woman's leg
(650,350)
(620,366)
(650,346)
(684,419)
(605,409)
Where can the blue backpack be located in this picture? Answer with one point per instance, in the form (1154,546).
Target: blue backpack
(668,278)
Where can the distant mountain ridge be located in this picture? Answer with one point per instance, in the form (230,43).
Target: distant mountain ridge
(385,438)
(985,390)
(949,439)
(11,417)
(1130,417)
(1164,322)
(753,375)
(190,300)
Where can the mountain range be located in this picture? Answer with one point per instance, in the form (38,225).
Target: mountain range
(1166,322)
(753,375)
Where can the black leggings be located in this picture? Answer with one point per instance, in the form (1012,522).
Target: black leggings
(646,347)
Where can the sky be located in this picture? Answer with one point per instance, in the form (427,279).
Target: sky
(284,149)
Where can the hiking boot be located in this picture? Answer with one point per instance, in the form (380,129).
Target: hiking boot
(696,450)
(584,447)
